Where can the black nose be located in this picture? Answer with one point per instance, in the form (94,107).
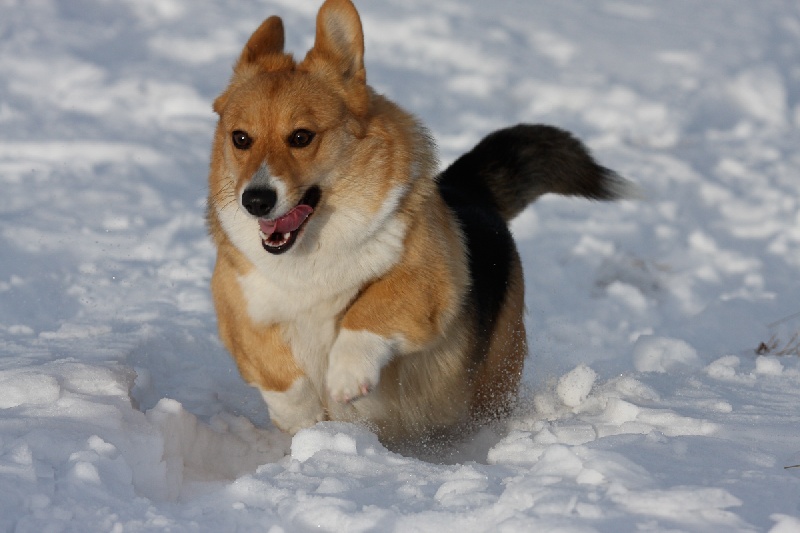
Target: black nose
(259,201)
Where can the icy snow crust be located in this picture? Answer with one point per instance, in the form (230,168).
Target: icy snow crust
(645,405)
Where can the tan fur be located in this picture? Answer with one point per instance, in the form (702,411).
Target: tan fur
(248,341)
(419,297)
(381,260)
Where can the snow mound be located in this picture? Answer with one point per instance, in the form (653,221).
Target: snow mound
(574,387)
(193,451)
(661,354)
(339,437)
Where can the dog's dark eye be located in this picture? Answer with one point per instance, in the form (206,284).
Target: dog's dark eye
(300,138)
(241,140)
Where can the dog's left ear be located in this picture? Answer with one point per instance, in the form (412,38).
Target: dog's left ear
(339,41)
(338,52)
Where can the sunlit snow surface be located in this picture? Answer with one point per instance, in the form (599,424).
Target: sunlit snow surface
(645,405)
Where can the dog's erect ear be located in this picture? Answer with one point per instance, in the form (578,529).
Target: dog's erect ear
(266,40)
(340,40)
(263,51)
(338,51)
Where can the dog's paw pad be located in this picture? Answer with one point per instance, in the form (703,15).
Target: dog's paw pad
(349,389)
(355,364)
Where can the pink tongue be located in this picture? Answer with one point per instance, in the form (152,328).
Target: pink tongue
(288,222)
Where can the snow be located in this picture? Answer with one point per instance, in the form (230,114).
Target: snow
(661,390)
(574,386)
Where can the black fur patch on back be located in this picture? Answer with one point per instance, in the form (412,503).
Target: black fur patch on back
(495,181)
(489,243)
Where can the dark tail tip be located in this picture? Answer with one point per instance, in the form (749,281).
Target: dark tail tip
(615,187)
(521,163)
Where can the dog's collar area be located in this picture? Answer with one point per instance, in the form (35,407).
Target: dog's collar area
(282,233)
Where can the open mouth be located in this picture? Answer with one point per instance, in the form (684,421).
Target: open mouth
(278,235)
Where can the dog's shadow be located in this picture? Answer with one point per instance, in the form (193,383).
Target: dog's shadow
(462,445)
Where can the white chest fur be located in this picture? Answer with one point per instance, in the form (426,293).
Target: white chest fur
(308,289)
(308,316)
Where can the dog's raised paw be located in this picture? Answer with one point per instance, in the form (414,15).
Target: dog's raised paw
(355,364)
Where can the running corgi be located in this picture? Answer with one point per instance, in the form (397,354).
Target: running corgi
(353,281)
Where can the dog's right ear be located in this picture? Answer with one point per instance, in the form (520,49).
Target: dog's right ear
(267,40)
(263,51)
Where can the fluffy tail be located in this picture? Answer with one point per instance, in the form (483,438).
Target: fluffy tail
(519,164)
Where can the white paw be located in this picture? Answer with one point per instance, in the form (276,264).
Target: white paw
(355,364)
(297,408)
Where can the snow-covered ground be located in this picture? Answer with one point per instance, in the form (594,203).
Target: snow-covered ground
(646,405)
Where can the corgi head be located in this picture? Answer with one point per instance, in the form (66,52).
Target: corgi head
(285,128)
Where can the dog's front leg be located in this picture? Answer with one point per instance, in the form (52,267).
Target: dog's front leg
(356,361)
(396,315)
(296,408)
